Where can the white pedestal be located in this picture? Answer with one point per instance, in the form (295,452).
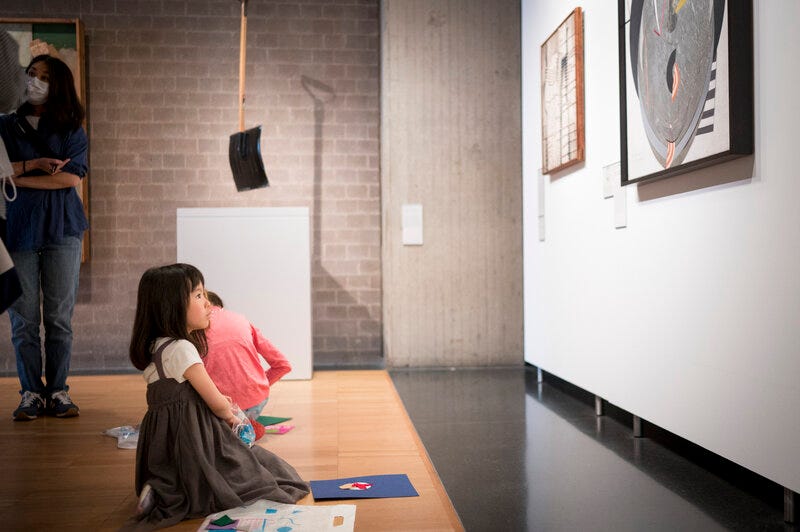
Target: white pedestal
(258,260)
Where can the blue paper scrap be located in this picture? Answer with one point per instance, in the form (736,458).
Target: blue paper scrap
(383,486)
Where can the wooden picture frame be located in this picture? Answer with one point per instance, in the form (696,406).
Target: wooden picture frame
(686,85)
(64,39)
(563,142)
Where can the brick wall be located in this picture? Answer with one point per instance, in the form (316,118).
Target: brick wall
(162,99)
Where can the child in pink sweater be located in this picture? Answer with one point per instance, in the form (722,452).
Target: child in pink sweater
(235,349)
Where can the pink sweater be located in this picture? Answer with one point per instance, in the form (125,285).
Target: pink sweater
(233,362)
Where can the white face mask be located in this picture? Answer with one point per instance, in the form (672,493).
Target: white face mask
(36,91)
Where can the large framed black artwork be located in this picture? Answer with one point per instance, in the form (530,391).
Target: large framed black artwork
(686,85)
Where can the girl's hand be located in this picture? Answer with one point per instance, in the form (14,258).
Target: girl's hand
(232,421)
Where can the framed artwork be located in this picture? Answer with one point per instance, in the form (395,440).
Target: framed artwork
(562,95)
(686,85)
(62,38)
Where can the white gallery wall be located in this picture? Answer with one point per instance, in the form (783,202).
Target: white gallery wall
(689,317)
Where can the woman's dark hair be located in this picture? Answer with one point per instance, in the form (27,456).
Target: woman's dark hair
(161,306)
(63,107)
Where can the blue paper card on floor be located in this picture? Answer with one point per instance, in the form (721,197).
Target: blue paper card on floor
(366,487)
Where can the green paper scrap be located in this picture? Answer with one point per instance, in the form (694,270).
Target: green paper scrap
(222,521)
(277,429)
(269,420)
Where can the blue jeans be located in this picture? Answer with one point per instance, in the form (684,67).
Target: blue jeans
(255,411)
(54,271)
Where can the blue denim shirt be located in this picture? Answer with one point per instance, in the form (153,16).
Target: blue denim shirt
(39,217)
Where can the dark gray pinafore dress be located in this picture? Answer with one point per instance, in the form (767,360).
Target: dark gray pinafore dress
(194,462)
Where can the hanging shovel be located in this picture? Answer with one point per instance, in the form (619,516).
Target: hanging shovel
(244,150)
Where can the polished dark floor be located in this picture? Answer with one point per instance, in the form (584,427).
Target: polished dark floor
(516,454)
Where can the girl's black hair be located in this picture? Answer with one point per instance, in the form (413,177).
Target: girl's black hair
(63,107)
(161,306)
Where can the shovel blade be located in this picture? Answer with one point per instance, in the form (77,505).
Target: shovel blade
(244,153)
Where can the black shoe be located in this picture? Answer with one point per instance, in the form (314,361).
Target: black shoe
(30,407)
(60,405)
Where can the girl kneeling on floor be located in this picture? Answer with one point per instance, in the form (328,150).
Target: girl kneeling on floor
(189,463)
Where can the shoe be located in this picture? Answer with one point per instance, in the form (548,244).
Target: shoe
(31,407)
(60,405)
(147,500)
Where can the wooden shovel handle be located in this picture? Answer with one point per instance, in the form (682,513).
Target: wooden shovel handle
(242,49)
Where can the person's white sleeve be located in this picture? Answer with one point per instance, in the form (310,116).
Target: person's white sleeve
(12,80)
(6,173)
(178,357)
(6,170)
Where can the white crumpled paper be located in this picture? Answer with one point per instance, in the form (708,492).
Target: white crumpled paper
(127,436)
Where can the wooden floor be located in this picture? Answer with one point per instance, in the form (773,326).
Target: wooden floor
(65,474)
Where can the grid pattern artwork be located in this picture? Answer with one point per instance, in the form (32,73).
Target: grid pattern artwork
(562,95)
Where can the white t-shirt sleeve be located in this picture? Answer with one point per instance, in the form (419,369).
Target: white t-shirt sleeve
(176,359)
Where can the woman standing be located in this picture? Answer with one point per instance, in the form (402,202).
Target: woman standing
(45,223)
